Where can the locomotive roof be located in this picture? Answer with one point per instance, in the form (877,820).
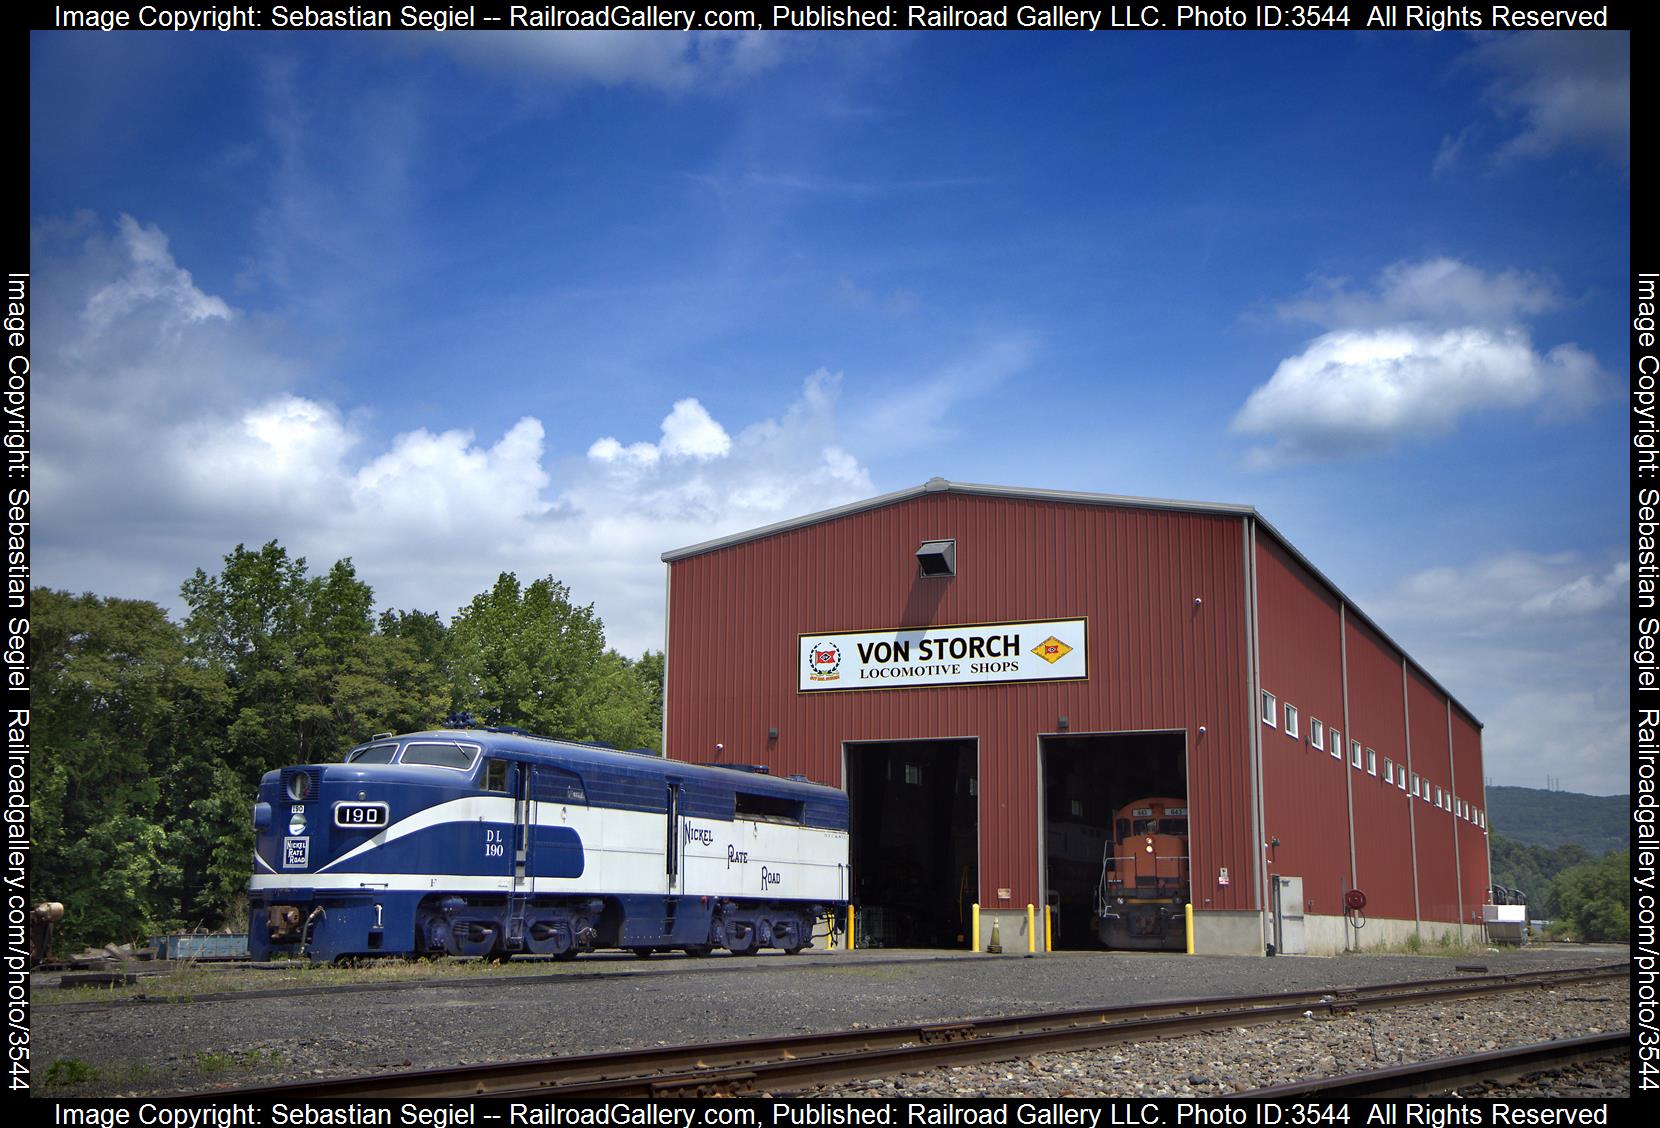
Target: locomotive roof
(734,777)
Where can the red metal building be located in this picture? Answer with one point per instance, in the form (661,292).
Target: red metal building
(992,672)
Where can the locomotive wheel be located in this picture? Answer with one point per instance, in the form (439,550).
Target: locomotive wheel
(645,953)
(696,953)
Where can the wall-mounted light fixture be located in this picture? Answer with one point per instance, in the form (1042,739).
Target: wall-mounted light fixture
(938,558)
(1063,724)
(772,733)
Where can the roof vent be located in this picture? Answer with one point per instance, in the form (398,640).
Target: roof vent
(938,557)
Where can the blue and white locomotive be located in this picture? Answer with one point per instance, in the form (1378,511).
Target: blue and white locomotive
(492,841)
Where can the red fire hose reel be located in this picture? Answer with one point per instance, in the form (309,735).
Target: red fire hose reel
(1353,902)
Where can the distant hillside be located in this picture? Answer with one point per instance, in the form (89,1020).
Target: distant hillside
(1599,823)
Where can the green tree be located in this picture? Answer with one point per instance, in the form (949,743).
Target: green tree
(527,656)
(309,676)
(1595,897)
(124,724)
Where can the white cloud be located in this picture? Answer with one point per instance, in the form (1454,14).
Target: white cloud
(140,487)
(1436,341)
(1567,90)
(1554,625)
(153,281)
(1438,292)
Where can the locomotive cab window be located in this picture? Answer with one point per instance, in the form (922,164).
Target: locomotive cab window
(495,775)
(458,756)
(371,754)
(767,808)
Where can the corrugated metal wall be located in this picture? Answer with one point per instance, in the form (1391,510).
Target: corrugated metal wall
(1472,839)
(1156,661)
(1431,757)
(1377,718)
(1305,801)
(1307,796)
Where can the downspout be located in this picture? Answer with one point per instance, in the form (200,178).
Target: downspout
(1452,779)
(1348,766)
(1253,681)
(1411,808)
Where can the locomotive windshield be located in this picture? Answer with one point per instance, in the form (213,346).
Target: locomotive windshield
(371,754)
(440,755)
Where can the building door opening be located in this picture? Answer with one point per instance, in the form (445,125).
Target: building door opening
(915,822)
(1104,790)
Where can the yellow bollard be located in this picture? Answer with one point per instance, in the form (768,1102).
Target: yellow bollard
(850,926)
(1048,929)
(1031,931)
(1189,913)
(974,912)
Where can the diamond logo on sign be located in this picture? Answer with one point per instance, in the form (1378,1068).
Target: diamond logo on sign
(1051,650)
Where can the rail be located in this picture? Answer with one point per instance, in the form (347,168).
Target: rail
(784,1064)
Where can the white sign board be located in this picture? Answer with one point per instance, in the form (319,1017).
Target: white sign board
(902,657)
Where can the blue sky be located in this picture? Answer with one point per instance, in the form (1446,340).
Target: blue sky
(556,302)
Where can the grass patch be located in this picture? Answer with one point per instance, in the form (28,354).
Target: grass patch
(188,980)
(1415,945)
(71,1073)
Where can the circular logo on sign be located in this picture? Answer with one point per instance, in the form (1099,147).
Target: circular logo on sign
(823,661)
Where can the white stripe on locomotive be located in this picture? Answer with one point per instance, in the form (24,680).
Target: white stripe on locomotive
(623,853)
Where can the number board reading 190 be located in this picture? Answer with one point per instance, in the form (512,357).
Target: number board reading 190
(360,814)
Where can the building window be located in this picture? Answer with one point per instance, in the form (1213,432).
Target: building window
(1290,720)
(1354,752)
(1388,770)
(1371,762)
(1317,733)
(913,773)
(1270,716)
(1400,777)
(1336,745)
(1077,808)
(1440,798)
(1415,785)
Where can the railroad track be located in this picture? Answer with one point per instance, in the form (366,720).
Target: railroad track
(791,1063)
(1441,1076)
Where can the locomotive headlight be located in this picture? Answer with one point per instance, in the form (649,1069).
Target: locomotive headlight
(296,823)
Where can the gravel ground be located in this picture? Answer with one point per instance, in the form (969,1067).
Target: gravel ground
(1220,1063)
(601,1003)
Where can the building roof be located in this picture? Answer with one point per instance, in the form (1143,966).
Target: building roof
(1074,497)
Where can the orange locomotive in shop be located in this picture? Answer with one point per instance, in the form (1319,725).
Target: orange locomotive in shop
(1144,885)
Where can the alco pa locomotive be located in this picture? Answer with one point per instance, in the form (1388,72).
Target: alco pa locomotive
(495,842)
